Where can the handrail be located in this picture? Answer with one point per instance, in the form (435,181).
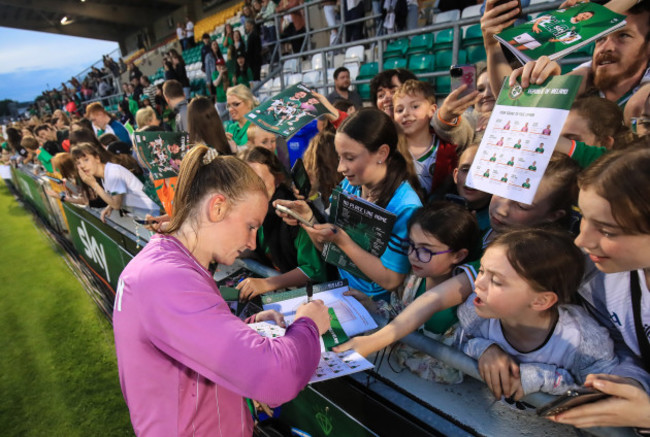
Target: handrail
(469,366)
(380,39)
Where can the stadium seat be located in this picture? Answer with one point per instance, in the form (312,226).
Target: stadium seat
(471,11)
(396,48)
(421,44)
(354,54)
(447,17)
(394,63)
(444,40)
(423,63)
(475,54)
(473,36)
(353,67)
(264,71)
(368,71)
(443,84)
(312,78)
(317,61)
(290,66)
(443,59)
(292,79)
(276,87)
(364,90)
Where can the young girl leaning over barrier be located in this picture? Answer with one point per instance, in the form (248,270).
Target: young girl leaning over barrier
(519,324)
(615,234)
(120,187)
(375,170)
(551,205)
(441,236)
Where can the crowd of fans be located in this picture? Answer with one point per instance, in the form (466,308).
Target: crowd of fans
(506,279)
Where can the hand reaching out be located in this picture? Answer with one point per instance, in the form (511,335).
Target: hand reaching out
(271,315)
(251,287)
(500,372)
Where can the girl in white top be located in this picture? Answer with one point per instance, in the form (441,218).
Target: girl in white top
(520,308)
(121,188)
(615,233)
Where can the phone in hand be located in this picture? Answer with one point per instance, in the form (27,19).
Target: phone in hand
(293,214)
(301,178)
(463,74)
(571,399)
(503,2)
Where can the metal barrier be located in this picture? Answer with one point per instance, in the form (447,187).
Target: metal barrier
(108,247)
(372,43)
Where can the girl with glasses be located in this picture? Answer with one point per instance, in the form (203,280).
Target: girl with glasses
(442,235)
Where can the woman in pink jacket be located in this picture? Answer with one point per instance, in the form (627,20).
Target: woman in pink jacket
(185,362)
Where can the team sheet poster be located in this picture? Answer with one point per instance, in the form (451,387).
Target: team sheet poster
(557,33)
(287,112)
(162,152)
(520,137)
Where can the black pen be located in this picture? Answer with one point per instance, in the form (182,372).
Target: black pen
(310,291)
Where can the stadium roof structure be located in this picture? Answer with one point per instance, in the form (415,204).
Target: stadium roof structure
(109,20)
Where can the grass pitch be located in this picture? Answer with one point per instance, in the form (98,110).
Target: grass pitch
(58,372)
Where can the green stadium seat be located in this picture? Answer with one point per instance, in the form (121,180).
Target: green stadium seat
(364,90)
(394,63)
(368,70)
(423,63)
(473,36)
(443,59)
(421,44)
(443,84)
(475,54)
(443,39)
(396,48)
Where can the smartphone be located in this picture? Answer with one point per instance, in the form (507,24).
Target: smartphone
(571,399)
(503,2)
(463,74)
(301,178)
(293,214)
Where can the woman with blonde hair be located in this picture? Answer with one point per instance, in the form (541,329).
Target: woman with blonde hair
(240,101)
(186,363)
(146,117)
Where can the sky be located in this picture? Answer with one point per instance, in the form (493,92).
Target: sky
(35,61)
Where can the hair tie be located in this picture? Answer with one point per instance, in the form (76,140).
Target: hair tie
(210,155)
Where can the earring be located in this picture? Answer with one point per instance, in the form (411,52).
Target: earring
(378,162)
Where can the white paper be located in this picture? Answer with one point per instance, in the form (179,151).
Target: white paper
(331,364)
(354,318)
(503,168)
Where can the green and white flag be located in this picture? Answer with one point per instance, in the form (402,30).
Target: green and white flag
(520,137)
(557,33)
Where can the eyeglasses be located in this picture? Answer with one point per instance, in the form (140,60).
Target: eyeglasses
(422,253)
(233,105)
(640,125)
